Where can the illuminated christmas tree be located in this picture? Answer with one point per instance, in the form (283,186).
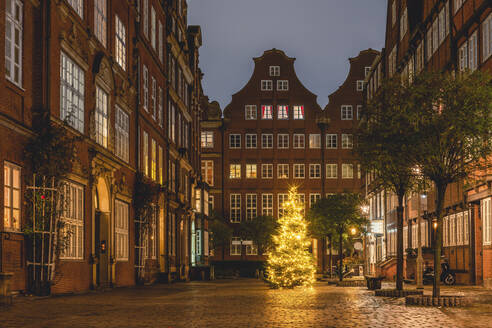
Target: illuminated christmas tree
(290,263)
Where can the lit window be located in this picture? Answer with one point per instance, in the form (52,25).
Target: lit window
(299,171)
(298,112)
(12,196)
(347,141)
(235,208)
(161,165)
(122,131)
(250,111)
(266,171)
(347,171)
(331,141)
(347,112)
(274,70)
(282,141)
(208,172)
(100,20)
(266,112)
(360,85)
(282,85)
(251,171)
(120,43)
(207,139)
(235,243)
(73,217)
(78,6)
(282,198)
(122,218)
(314,171)
(251,212)
(251,248)
(234,141)
(101,118)
(283,112)
(153,163)
(283,171)
(266,85)
(314,141)
(267,141)
(299,141)
(235,171)
(145,141)
(251,142)
(72,93)
(267,204)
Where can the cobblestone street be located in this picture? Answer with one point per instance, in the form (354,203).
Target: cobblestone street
(234,303)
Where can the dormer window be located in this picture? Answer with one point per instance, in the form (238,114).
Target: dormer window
(274,70)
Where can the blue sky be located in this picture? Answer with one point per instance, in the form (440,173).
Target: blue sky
(320,34)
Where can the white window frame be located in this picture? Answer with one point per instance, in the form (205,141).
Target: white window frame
(313,198)
(298,112)
(153,28)
(282,171)
(487,38)
(251,249)
(101,117)
(267,204)
(122,131)
(266,112)
(282,85)
(299,141)
(329,141)
(78,6)
(314,171)
(12,205)
(267,141)
(153,98)
(266,85)
(208,171)
(281,198)
(330,169)
(73,217)
(347,171)
(267,171)
(274,70)
(13,44)
(145,85)
(347,112)
(486,221)
(299,171)
(251,141)
(347,141)
(250,112)
(120,43)
(234,141)
(314,141)
(101,20)
(207,139)
(235,248)
(251,206)
(145,15)
(282,112)
(360,85)
(235,208)
(359,110)
(121,231)
(251,171)
(235,171)
(282,141)
(72,89)
(161,107)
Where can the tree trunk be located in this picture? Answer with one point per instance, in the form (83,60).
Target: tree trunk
(331,256)
(340,257)
(323,254)
(441,191)
(223,252)
(399,243)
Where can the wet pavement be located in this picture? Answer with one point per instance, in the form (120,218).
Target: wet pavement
(240,303)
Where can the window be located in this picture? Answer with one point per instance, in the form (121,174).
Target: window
(404,23)
(12,196)
(458,4)
(267,204)
(250,111)
(314,141)
(208,172)
(145,88)
(73,217)
(281,199)
(235,208)
(153,31)
(314,171)
(234,141)
(299,171)
(266,141)
(161,165)
(392,62)
(153,156)
(331,141)
(13,41)
(359,111)
(283,112)
(347,171)
(78,6)
(100,20)
(251,142)
(367,71)
(122,218)
(145,141)
(274,70)
(236,246)
(299,141)
(347,112)
(468,54)
(72,93)
(331,171)
(282,141)
(207,139)
(282,85)
(393,13)
(120,43)
(251,248)
(122,131)
(251,206)
(298,112)
(266,112)
(360,85)
(283,171)
(267,171)
(161,42)
(487,37)
(266,85)
(486,221)
(153,100)
(347,141)
(235,171)
(161,109)
(313,198)
(172,121)
(145,14)
(251,171)
(101,118)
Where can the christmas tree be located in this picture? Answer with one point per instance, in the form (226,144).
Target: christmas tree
(290,263)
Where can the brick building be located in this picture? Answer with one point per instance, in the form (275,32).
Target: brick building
(124,75)
(449,35)
(273,135)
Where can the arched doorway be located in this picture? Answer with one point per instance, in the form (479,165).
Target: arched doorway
(102,235)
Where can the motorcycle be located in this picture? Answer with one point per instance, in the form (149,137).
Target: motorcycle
(448,277)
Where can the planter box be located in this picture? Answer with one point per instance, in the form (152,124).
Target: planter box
(446,301)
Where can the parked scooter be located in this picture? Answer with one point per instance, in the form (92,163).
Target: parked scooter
(448,277)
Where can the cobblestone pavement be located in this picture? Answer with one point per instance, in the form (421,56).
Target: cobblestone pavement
(235,303)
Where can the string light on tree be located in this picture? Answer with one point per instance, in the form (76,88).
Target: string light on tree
(290,263)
